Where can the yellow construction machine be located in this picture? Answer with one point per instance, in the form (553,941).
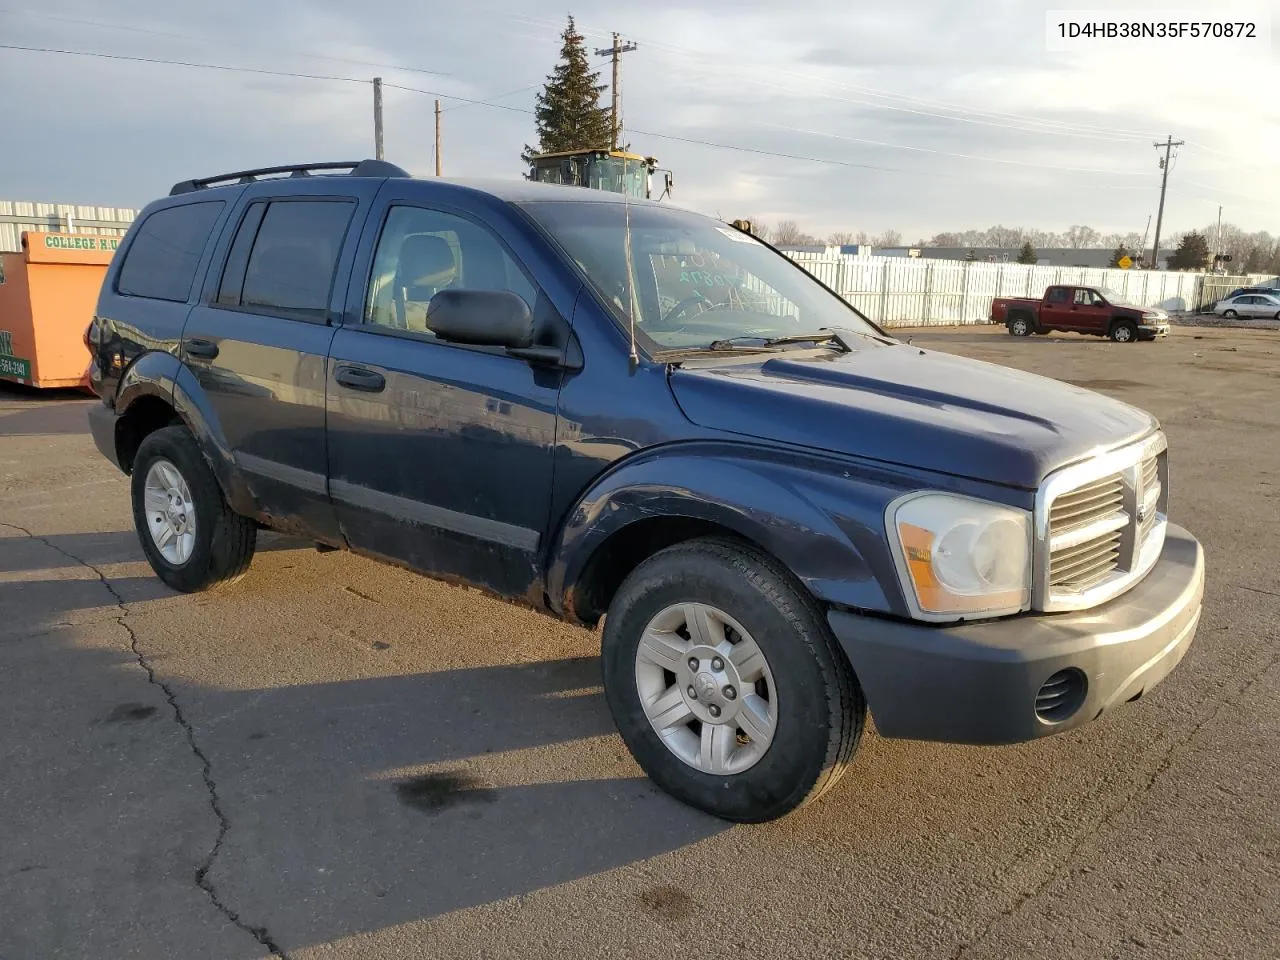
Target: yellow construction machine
(614,170)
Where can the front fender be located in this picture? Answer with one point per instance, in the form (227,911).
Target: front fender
(825,523)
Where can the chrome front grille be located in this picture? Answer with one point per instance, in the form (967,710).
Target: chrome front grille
(1085,527)
(1152,491)
(1100,526)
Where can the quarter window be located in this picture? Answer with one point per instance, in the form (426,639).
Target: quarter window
(161,261)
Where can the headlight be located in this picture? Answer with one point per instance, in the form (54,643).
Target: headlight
(1153,316)
(959,557)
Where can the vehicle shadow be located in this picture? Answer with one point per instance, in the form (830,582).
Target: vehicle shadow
(100,549)
(371,803)
(351,806)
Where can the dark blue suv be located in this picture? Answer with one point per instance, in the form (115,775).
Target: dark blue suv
(609,409)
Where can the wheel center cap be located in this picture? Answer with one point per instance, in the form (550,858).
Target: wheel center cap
(706,686)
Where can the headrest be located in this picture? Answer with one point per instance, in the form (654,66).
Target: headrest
(425,261)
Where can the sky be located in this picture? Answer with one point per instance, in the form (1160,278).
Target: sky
(922,117)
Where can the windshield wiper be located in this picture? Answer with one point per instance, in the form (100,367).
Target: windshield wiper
(822,336)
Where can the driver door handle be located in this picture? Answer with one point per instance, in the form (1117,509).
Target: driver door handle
(200,349)
(359,378)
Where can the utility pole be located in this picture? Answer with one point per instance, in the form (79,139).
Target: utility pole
(1168,145)
(1217,244)
(438,162)
(377,117)
(615,52)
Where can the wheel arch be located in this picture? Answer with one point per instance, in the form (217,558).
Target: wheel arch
(778,509)
(158,390)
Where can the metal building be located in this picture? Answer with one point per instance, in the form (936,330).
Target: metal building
(17,216)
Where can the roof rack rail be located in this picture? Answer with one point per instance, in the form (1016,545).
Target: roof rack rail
(354,168)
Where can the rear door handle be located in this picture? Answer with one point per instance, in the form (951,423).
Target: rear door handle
(201,349)
(358,378)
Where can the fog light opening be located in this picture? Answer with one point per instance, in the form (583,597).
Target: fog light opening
(1061,695)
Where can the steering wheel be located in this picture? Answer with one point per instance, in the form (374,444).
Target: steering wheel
(679,309)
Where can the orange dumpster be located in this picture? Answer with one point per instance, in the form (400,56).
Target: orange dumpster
(48,293)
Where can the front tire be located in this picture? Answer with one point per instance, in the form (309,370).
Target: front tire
(726,684)
(1229,314)
(192,539)
(1124,331)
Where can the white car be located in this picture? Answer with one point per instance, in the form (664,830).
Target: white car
(1249,305)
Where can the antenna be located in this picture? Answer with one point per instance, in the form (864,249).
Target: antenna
(631,280)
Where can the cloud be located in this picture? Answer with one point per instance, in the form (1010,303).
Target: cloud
(814,81)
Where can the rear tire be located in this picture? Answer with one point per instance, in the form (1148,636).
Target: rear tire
(1021,327)
(784,737)
(1124,331)
(192,539)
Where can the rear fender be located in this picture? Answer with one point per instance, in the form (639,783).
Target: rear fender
(192,404)
(161,374)
(826,527)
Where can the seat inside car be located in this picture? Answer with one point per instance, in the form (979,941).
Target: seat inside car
(427,265)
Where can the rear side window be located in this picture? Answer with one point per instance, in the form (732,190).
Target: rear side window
(162,259)
(1059,294)
(283,258)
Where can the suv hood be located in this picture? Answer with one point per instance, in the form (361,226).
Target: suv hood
(904,405)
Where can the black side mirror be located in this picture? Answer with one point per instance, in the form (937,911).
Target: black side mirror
(486,318)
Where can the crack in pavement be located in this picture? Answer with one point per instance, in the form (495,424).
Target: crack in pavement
(1159,770)
(260,934)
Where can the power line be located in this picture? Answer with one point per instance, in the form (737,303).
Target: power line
(182,63)
(947,153)
(485,101)
(220,42)
(497,106)
(1040,125)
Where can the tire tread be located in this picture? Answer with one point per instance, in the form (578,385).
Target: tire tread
(845,704)
(234,538)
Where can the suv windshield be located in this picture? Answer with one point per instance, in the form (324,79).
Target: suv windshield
(695,280)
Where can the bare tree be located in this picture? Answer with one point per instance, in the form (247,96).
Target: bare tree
(1002,236)
(842,237)
(890,238)
(1079,237)
(864,238)
(788,231)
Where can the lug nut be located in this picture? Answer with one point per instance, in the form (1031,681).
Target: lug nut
(730,693)
(693,664)
(713,710)
(693,694)
(717,664)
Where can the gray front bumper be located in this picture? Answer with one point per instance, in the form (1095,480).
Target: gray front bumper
(977,682)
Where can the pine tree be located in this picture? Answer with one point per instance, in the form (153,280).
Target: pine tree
(1028,253)
(568,114)
(1119,254)
(1192,253)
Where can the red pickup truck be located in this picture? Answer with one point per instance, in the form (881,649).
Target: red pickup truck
(1091,310)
